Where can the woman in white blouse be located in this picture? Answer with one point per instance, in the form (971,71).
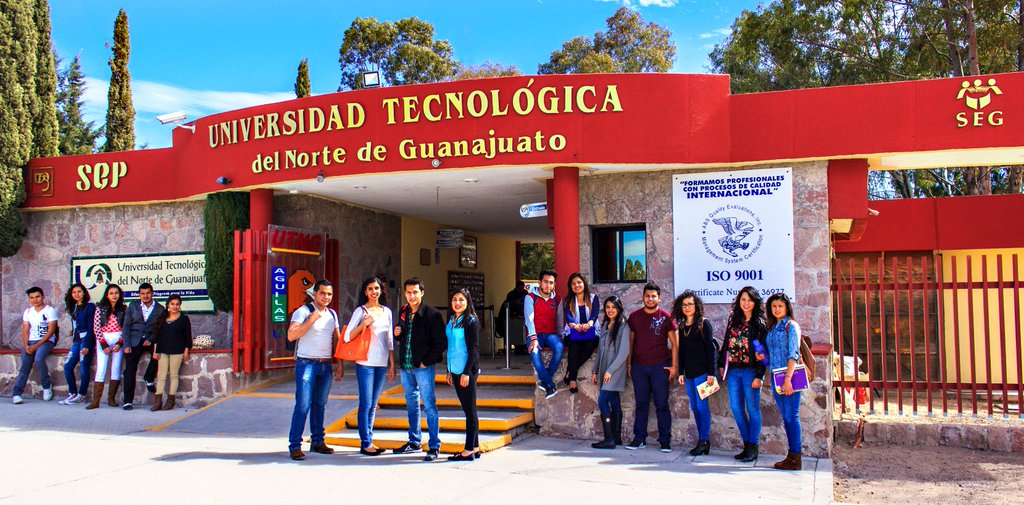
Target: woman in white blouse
(372,313)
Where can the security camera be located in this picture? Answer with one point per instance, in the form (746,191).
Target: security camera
(171,117)
(223,180)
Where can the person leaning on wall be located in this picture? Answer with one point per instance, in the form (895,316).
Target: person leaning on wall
(697,361)
(783,343)
(742,371)
(171,347)
(38,336)
(579,311)
(83,338)
(610,371)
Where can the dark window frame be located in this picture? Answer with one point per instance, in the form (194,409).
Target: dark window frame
(598,238)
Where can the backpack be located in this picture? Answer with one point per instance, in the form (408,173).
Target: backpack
(806,356)
(289,345)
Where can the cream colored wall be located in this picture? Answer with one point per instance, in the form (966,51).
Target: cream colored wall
(1001,338)
(496,259)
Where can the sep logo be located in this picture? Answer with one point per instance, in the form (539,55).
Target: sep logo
(977,96)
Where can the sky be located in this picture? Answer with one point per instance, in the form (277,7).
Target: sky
(210,56)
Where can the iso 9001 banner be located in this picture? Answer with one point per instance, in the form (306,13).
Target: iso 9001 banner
(733,229)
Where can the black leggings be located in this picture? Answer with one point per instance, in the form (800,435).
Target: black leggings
(579,352)
(467,397)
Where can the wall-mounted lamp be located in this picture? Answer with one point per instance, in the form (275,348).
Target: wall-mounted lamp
(321,176)
(435,163)
(176,118)
(224,181)
(371,79)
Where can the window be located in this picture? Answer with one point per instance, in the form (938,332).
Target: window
(620,254)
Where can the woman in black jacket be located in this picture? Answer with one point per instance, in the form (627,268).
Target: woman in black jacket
(742,370)
(697,362)
(171,348)
(463,367)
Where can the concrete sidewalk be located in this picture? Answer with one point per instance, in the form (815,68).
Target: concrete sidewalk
(110,456)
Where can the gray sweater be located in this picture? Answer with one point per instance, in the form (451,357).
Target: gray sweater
(611,357)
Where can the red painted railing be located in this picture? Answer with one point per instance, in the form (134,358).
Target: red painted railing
(251,290)
(922,333)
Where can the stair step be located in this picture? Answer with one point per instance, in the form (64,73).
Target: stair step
(449,420)
(487,397)
(451,443)
(505,380)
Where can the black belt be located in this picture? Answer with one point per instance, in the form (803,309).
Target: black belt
(318,360)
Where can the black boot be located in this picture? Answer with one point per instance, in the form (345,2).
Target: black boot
(702,447)
(752,455)
(609,439)
(744,453)
(617,426)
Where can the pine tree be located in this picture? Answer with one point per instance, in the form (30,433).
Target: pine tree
(75,135)
(44,118)
(302,88)
(120,128)
(17,103)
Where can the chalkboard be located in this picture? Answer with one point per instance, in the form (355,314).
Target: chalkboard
(473,281)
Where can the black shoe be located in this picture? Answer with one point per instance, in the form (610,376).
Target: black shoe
(321,449)
(476,455)
(151,387)
(702,447)
(127,406)
(566,380)
(365,452)
(752,455)
(636,444)
(406,448)
(665,447)
(617,426)
(608,442)
(458,457)
(550,392)
(431,455)
(744,453)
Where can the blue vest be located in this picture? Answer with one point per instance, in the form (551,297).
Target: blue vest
(458,352)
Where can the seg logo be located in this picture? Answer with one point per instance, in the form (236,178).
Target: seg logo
(977,97)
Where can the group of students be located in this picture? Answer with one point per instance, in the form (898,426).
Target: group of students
(117,334)
(409,348)
(654,347)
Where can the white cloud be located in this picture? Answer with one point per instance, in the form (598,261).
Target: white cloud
(719,32)
(632,4)
(156,98)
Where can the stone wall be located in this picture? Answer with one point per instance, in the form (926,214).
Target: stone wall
(55,236)
(371,242)
(646,198)
(205,378)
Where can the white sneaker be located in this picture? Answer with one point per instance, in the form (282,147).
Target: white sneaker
(17,400)
(71,400)
(47,395)
(77,400)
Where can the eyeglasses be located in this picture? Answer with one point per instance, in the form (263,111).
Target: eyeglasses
(688,305)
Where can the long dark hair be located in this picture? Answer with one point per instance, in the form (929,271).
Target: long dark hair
(469,315)
(161,320)
(737,312)
(614,331)
(570,297)
(69,301)
(106,308)
(698,308)
(770,316)
(363,299)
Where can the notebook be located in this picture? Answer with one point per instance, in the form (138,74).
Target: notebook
(799,380)
(704,390)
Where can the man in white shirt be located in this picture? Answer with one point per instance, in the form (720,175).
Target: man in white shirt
(38,336)
(317,331)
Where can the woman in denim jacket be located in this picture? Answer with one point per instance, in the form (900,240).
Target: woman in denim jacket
(783,343)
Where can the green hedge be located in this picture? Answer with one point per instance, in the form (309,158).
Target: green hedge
(224,213)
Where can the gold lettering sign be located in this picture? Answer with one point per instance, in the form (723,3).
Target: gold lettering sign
(977,96)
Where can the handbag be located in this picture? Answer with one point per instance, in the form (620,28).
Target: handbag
(355,349)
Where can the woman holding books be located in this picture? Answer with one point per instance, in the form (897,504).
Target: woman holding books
(696,362)
(741,369)
(784,353)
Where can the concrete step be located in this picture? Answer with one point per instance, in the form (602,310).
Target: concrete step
(451,442)
(487,397)
(449,420)
(502,380)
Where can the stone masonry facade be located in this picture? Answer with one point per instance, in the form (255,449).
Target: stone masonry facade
(646,198)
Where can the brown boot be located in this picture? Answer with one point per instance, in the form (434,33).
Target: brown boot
(157,403)
(792,462)
(112,392)
(97,394)
(170,403)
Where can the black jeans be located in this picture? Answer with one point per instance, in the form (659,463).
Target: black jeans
(131,369)
(579,352)
(467,397)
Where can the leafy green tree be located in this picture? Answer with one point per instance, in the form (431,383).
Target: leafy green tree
(120,127)
(536,257)
(790,44)
(404,52)
(302,87)
(628,45)
(18,102)
(75,136)
(224,213)
(484,70)
(44,119)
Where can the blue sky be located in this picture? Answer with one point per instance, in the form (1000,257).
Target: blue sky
(210,56)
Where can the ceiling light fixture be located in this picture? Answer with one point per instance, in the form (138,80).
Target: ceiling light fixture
(321,176)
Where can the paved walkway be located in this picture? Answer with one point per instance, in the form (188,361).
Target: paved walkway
(234,452)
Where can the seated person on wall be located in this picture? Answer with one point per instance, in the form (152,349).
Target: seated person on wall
(38,336)
(543,324)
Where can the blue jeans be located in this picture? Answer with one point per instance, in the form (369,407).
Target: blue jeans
(648,381)
(789,409)
(608,402)
(312,388)
(371,382)
(74,358)
(419,383)
(745,403)
(701,410)
(545,374)
(39,361)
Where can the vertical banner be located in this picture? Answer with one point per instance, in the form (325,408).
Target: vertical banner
(733,229)
(295,261)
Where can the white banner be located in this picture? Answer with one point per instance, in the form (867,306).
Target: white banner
(182,274)
(733,229)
